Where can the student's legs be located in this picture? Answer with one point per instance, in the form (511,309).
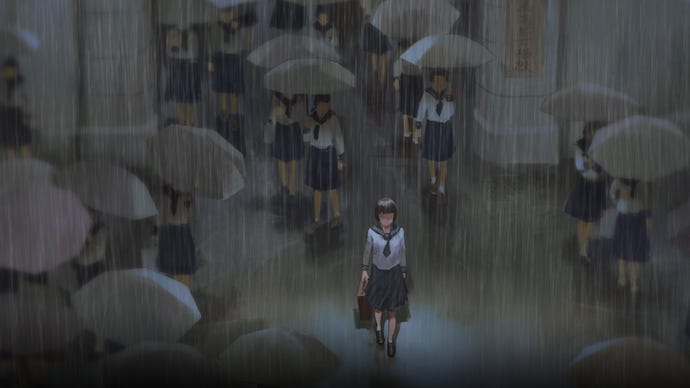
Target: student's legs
(317,205)
(634,275)
(233,103)
(584,231)
(392,321)
(377,318)
(382,59)
(179,107)
(407,125)
(282,171)
(442,173)
(432,169)
(291,176)
(190,115)
(223,103)
(335,202)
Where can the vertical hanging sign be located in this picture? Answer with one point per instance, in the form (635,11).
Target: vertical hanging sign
(525,38)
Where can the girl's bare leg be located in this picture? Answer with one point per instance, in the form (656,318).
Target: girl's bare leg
(317,205)
(282,171)
(383,61)
(291,176)
(190,115)
(335,202)
(180,113)
(392,321)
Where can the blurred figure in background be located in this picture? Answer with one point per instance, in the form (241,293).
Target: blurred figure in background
(184,73)
(176,248)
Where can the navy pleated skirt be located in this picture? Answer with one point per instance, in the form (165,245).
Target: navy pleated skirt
(288,144)
(438,144)
(587,200)
(386,289)
(228,76)
(176,250)
(630,239)
(322,169)
(411,91)
(184,81)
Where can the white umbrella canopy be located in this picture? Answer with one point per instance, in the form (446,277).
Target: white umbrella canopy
(447,51)
(309,76)
(42,227)
(131,306)
(109,189)
(641,147)
(278,356)
(414,19)
(211,339)
(184,13)
(198,161)
(16,40)
(590,102)
(681,119)
(36,323)
(149,364)
(18,173)
(289,47)
(629,362)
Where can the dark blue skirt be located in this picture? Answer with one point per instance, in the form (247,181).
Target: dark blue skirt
(386,289)
(228,76)
(322,169)
(288,144)
(630,240)
(184,81)
(176,250)
(587,200)
(438,144)
(411,92)
(374,41)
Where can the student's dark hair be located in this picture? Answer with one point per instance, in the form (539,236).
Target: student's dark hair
(10,62)
(385,206)
(434,72)
(321,98)
(322,8)
(632,183)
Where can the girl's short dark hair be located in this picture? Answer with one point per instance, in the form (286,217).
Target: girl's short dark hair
(385,206)
(632,184)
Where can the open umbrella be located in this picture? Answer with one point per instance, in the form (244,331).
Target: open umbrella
(447,52)
(41,226)
(159,364)
(291,46)
(108,189)
(641,147)
(136,305)
(18,173)
(590,102)
(185,12)
(414,19)
(17,40)
(197,160)
(629,362)
(278,356)
(309,76)
(211,339)
(36,323)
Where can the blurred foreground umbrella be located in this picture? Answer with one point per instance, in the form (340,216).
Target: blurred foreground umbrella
(641,147)
(309,76)
(108,189)
(212,338)
(197,160)
(278,356)
(15,40)
(629,362)
(36,323)
(22,173)
(150,364)
(589,102)
(186,12)
(414,19)
(291,46)
(41,226)
(447,52)
(678,227)
(136,305)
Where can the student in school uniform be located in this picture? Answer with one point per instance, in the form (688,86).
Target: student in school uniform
(229,39)
(325,158)
(91,260)
(176,248)
(12,91)
(324,28)
(375,43)
(409,82)
(287,115)
(184,73)
(384,269)
(15,135)
(438,146)
(587,200)
(630,239)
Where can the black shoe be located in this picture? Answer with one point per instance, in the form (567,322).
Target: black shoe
(391,349)
(379,337)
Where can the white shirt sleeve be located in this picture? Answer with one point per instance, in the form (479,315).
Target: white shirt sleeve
(338,140)
(579,160)
(423,106)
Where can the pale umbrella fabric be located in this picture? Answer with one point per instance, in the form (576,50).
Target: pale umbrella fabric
(160,364)
(23,173)
(230,3)
(629,362)
(36,323)
(197,160)
(211,339)
(414,19)
(309,76)
(184,13)
(590,102)
(289,47)
(16,40)
(447,51)
(641,147)
(278,356)
(42,227)
(109,189)
(131,306)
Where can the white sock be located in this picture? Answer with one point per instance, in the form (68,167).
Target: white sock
(378,327)
(390,340)
(442,188)
(407,135)
(433,180)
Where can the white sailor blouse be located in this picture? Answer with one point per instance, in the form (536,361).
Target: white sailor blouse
(383,250)
(182,44)
(326,132)
(435,107)
(581,158)
(630,205)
